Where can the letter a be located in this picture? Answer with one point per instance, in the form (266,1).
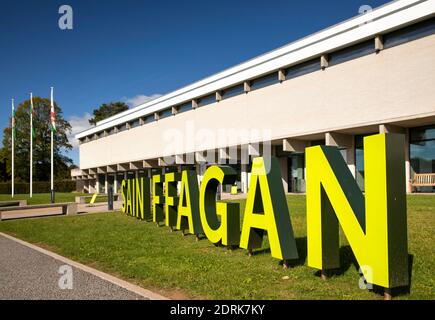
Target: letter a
(266,210)
(188,207)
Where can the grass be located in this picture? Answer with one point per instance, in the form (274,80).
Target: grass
(43,198)
(180,267)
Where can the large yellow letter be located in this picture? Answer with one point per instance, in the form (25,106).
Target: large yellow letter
(158,214)
(124,197)
(227,230)
(143,198)
(188,207)
(130,199)
(266,210)
(376,229)
(171,199)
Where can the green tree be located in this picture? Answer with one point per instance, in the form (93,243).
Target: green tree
(107,110)
(41,143)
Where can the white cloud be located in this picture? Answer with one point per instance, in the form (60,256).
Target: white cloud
(78,124)
(140,99)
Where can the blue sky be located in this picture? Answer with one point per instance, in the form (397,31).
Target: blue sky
(133,49)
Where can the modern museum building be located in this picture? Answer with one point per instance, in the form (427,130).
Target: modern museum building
(373,73)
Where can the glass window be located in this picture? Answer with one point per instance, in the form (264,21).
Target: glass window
(211,98)
(296,172)
(359,159)
(264,81)
(410,33)
(135,123)
(165,113)
(131,175)
(111,131)
(422,152)
(122,127)
(318,142)
(233,91)
(149,118)
(353,52)
(302,69)
(185,107)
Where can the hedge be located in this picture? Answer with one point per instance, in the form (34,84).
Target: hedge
(38,187)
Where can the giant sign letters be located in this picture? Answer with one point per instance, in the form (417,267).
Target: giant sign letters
(374,224)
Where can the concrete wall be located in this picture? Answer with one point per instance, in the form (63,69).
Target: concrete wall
(396,84)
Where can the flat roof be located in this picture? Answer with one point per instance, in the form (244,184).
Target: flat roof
(391,16)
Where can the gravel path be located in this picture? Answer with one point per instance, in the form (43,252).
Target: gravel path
(26,273)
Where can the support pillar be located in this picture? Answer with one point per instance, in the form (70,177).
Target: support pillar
(115,183)
(106,183)
(283,166)
(244,178)
(97,184)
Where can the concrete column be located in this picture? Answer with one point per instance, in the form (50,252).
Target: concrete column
(283,166)
(244,178)
(200,169)
(97,184)
(343,141)
(86,186)
(179,183)
(115,183)
(293,145)
(106,183)
(389,128)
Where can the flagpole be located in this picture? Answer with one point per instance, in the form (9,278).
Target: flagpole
(31,145)
(13,148)
(52,144)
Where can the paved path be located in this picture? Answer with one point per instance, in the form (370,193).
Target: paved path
(29,272)
(44,212)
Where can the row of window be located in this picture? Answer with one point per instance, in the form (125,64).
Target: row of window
(389,40)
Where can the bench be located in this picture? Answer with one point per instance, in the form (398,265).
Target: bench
(13,203)
(423,180)
(82,199)
(68,208)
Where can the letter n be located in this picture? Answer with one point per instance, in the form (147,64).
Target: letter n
(375,227)
(143,205)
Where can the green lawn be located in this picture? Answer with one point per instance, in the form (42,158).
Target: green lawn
(42,198)
(180,267)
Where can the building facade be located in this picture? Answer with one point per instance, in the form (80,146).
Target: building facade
(373,73)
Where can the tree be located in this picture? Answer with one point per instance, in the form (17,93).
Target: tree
(41,143)
(107,110)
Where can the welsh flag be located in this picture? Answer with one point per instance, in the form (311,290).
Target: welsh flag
(52,119)
(52,114)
